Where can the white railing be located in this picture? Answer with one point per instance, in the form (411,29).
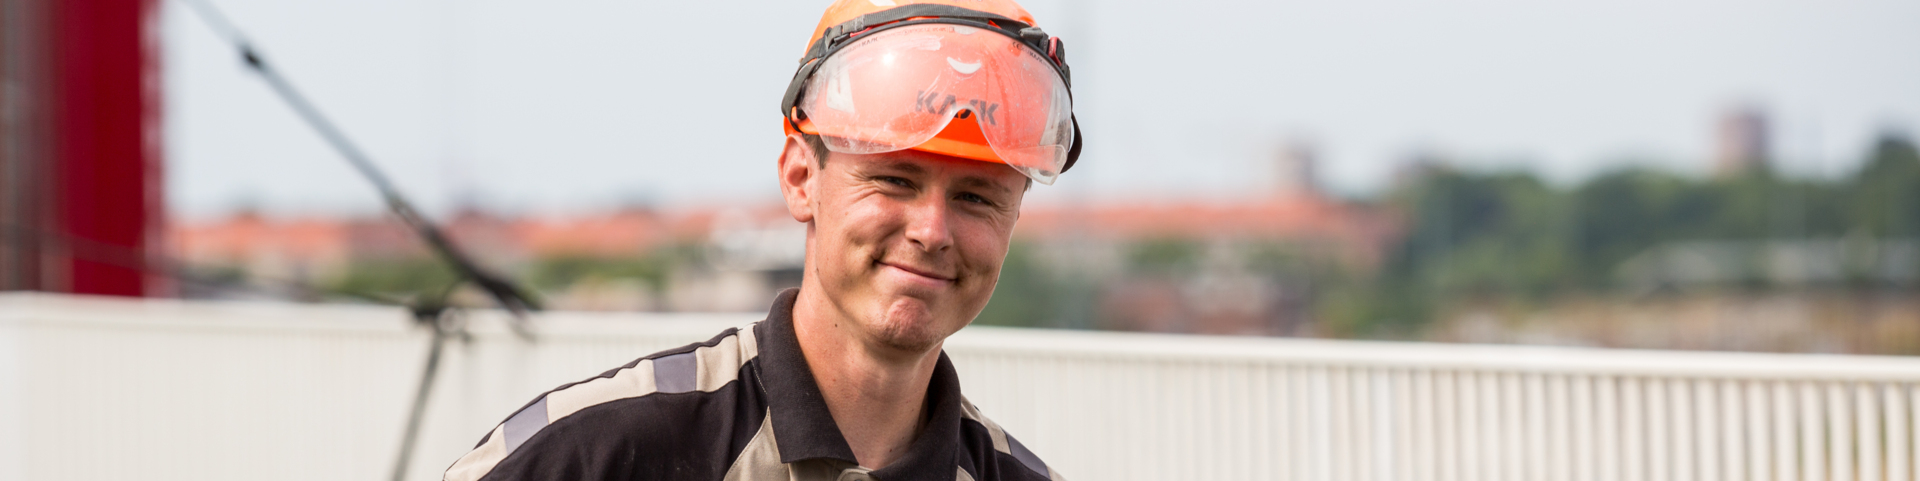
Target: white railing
(117,389)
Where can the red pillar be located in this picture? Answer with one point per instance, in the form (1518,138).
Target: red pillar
(80,196)
(106,176)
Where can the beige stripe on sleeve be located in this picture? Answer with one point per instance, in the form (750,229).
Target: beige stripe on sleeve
(481,459)
(718,365)
(627,383)
(993,430)
(749,345)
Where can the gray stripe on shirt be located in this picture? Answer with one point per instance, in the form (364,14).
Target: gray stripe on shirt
(676,373)
(524,423)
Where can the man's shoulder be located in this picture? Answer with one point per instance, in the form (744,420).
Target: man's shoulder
(697,367)
(996,454)
(673,394)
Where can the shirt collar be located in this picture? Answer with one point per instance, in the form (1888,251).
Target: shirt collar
(806,429)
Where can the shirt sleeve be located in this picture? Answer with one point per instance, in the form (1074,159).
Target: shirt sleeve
(584,446)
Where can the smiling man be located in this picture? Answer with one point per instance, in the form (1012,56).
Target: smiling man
(914,130)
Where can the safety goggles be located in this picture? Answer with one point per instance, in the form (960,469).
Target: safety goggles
(981,90)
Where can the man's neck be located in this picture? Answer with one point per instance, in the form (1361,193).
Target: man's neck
(877,398)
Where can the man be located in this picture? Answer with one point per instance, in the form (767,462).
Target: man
(913,133)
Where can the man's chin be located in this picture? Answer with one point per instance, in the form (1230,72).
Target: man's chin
(911,324)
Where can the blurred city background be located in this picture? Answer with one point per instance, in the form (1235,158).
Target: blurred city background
(1295,179)
(1715,175)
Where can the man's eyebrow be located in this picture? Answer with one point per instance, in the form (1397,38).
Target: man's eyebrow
(904,167)
(979,182)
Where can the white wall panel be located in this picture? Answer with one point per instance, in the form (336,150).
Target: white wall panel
(119,389)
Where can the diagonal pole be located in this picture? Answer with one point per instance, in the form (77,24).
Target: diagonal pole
(509,296)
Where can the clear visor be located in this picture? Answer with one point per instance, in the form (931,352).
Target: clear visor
(896,89)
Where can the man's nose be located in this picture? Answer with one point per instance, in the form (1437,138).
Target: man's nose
(927,224)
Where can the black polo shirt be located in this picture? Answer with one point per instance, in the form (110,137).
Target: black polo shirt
(742,406)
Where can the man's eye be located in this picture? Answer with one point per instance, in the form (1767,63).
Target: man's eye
(896,181)
(975,198)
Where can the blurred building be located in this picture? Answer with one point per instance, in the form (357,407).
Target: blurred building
(300,249)
(1350,235)
(1800,263)
(1297,175)
(1415,168)
(1741,141)
(315,249)
(80,203)
(1248,267)
(732,258)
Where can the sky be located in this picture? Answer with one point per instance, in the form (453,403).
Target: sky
(579,105)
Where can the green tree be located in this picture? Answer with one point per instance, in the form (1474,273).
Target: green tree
(400,277)
(1027,295)
(1885,199)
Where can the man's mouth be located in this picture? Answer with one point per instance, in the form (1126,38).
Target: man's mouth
(924,273)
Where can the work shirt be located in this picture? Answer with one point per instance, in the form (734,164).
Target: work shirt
(742,406)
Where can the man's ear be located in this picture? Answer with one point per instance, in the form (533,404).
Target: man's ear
(797,171)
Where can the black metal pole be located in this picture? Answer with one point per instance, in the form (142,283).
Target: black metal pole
(436,319)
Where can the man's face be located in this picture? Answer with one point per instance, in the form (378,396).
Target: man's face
(908,244)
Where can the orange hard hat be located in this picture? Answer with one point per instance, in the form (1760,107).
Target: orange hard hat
(843,11)
(882,75)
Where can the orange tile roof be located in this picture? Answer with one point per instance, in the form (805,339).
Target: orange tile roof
(634,231)
(1363,232)
(247,236)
